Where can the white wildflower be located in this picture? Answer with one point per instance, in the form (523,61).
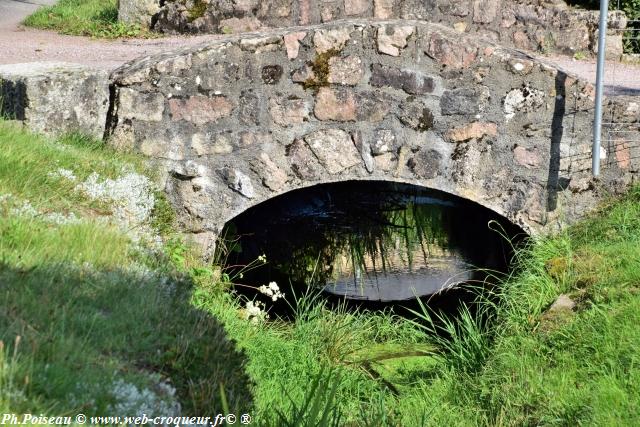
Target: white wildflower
(25,210)
(132,194)
(271,290)
(63,173)
(254,312)
(131,400)
(61,219)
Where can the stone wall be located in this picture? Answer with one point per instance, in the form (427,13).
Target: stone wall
(532,24)
(55,98)
(242,119)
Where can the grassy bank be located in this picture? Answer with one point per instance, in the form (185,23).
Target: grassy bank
(104,311)
(93,18)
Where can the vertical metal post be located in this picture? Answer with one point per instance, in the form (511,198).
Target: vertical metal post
(597,123)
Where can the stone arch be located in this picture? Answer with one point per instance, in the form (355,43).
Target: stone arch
(242,119)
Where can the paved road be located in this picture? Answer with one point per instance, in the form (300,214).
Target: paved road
(19,44)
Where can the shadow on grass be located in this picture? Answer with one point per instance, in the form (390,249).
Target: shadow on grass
(84,330)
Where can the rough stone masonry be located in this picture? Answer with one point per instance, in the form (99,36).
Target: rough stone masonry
(243,119)
(531,24)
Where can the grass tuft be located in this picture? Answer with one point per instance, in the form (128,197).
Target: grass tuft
(93,18)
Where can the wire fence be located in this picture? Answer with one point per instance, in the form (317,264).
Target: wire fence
(620,132)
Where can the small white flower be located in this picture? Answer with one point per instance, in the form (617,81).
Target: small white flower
(254,312)
(271,290)
(63,173)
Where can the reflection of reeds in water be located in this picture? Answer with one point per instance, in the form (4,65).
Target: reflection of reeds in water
(389,238)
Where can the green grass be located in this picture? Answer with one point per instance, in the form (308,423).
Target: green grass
(94,18)
(83,307)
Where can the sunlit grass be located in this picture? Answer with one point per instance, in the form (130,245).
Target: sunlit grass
(95,18)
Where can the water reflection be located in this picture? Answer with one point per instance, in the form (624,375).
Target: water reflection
(368,241)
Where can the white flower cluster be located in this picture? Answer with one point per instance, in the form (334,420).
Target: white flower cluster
(132,194)
(271,290)
(132,400)
(25,209)
(254,312)
(63,173)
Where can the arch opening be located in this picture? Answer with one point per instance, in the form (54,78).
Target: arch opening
(367,244)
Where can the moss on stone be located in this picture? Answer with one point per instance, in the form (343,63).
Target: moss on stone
(320,67)
(198,10)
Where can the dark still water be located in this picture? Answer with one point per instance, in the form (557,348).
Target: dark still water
(374,244)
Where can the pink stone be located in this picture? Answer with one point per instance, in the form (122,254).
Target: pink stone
(391,40)
(200,109)
(383,9)
(292,43)
(475,130)
(355,7)
(287,112)
(325,40)
(527,158)
(623,155)
(454,54)
(335,104)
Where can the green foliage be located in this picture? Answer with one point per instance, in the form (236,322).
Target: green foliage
(318,407)
(94,18)
(163,216)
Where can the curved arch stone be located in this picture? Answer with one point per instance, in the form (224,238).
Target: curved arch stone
(237,121)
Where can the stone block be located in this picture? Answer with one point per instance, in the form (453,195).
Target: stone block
(55,98)
(392,40)
(336,104)
(138,12)
(412,82)
(334,148)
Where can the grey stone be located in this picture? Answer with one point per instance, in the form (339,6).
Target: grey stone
(271,74)
(383,142)
(463,101)
(416,115)
(485,11)
(345,71)
(334,149)
(238,181)
(138,12)
(426,164)
(55,98)
(364,147)
(412,82)
(303,162)
(373,106)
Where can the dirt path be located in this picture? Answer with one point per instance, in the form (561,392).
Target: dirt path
(19,44)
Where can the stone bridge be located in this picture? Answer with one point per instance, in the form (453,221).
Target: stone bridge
(243,119)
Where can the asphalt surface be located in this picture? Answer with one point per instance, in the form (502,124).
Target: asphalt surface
(19,44)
